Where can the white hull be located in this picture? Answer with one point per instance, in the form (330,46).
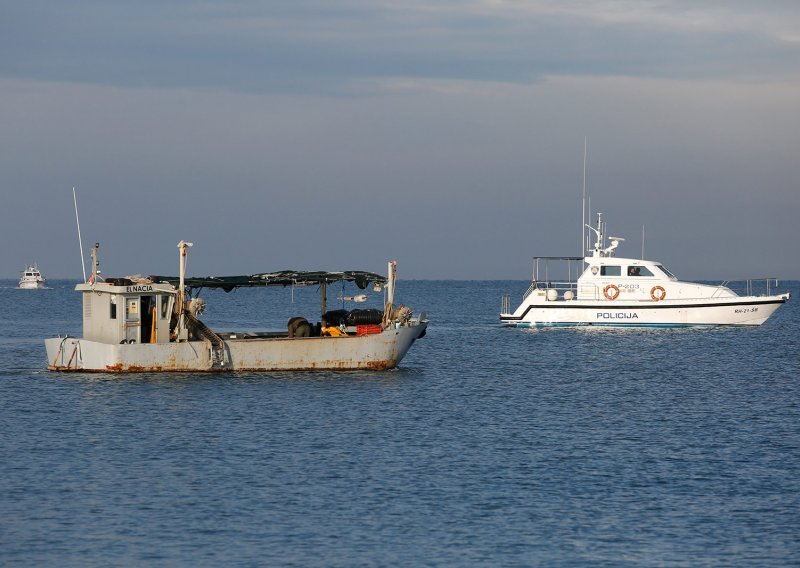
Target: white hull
(31,285)
(743,311)
(377,351)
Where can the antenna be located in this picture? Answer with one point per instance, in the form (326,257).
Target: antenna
(80,242)
(588,243)
(583,203)
(642,241)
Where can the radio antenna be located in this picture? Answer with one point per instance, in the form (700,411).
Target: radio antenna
(80,242)
(642,241)
(583,203)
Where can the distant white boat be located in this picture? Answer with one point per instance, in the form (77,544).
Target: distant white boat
(628,292)
(31,278)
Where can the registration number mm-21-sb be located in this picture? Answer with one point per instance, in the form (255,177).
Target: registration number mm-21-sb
(745,310)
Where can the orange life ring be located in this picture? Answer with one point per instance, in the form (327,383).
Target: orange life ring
(611,292)
(658,293)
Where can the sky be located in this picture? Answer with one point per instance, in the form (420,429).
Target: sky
(448,135)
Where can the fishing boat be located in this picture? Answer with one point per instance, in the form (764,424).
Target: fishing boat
(142,324)
(31,278)
(606,290)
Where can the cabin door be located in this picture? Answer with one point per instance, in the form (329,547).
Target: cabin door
(132,320)
(148,313)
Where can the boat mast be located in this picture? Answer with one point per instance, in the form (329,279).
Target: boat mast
(390,281)
(599,243)
(80,242)
(95,264)
(182,332)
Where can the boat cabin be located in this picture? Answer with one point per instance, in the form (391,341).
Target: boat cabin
(624,278)
(120,311)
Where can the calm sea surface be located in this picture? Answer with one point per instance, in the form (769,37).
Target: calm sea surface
(487,447)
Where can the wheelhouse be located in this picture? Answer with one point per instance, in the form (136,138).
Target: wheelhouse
(120,311)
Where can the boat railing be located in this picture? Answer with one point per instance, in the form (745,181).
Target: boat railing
(530,289)
(549,273)
(751,286)
(565,290)
(559,286)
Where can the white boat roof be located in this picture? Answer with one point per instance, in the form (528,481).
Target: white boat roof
(114,286)
(615,260)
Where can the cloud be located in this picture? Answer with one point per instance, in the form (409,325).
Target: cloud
(448,134)
(310,46)
(453,179)
(777,20)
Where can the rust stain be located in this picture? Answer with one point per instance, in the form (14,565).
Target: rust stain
(118,368)
(381,365)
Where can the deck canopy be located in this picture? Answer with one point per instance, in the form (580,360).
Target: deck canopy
(280,278)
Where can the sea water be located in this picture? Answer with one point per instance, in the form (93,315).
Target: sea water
(488,446)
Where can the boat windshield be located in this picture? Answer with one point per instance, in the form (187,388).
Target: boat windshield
(667,272)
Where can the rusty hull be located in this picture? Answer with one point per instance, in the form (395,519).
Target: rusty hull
(377,352)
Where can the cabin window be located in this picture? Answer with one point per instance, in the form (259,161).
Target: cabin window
(639,271)
(610,271)
(113,312)
(667,272)
(164,307)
